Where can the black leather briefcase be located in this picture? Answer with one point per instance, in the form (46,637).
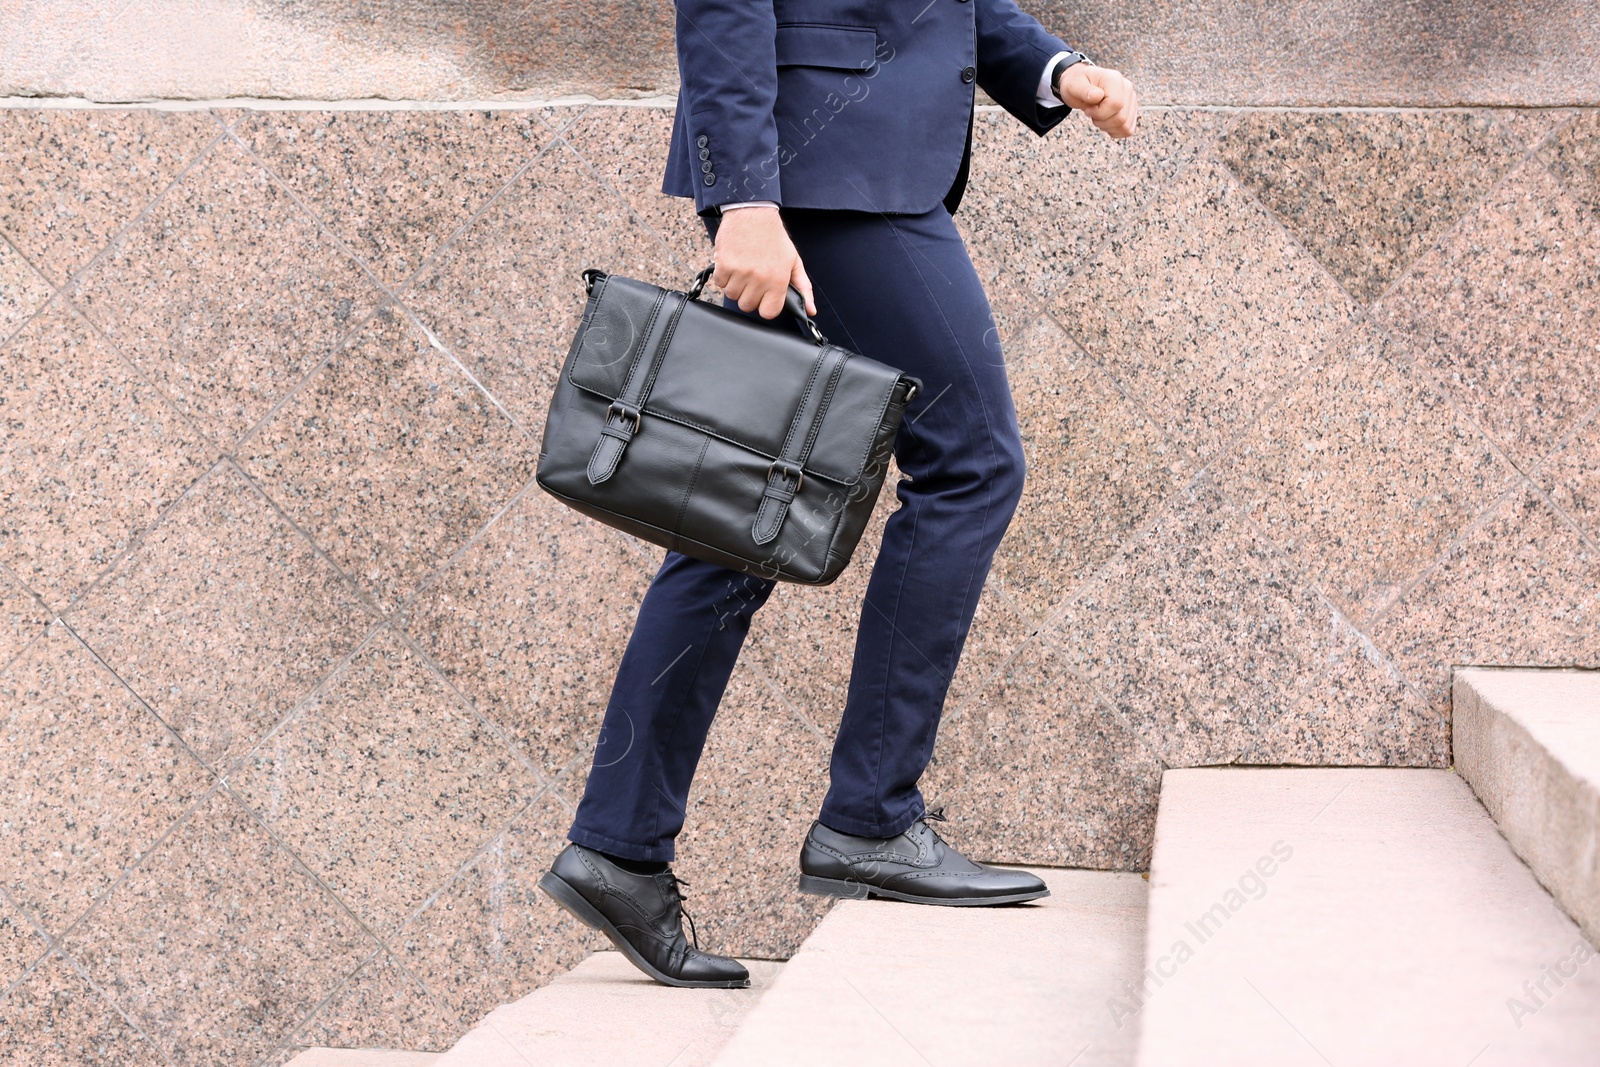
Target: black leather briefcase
(742,443)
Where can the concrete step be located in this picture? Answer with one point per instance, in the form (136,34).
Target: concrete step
(901,984)
(1371,916)
(1528,742)
(605,1013)
(363,1057)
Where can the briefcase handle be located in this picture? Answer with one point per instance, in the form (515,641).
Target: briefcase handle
(793,302)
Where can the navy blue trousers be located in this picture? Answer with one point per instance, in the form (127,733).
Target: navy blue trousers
(901,290)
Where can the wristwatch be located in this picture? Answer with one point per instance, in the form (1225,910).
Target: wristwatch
(1068,60)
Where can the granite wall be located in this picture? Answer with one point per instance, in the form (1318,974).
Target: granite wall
(1531,53)
(299,675)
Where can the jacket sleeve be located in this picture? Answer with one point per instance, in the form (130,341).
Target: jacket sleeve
(728,70)
(1012,51)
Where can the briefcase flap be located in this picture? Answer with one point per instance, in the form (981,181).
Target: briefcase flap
(733,378)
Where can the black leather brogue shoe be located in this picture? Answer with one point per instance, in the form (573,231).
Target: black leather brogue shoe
(643,916)
(916,866)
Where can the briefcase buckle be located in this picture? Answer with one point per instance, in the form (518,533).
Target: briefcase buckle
(790,470)
(625,411)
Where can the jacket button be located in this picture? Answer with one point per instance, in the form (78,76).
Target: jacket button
(969,74)
(711,179)
(702,140)
(705,168)
(705,153)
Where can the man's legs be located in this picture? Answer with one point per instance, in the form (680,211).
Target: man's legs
(901,289)
(690,628)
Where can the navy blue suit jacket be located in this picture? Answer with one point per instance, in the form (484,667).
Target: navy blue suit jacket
(862,105)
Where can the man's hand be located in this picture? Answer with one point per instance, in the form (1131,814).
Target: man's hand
(1102,94)
(756,262)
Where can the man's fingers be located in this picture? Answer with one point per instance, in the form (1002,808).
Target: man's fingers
(1118,111)
(748,296)
(772,302)
(1093,96)
(803,283)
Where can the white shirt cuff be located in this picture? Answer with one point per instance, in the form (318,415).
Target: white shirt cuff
(1047,92)
(749,203)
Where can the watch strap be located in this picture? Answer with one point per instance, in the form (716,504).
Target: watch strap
(1069,60)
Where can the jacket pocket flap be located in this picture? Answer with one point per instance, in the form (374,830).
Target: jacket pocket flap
(842,47)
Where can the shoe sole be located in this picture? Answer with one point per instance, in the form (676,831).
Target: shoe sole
(839,887)
(561,891)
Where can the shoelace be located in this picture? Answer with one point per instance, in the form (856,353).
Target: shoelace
(936,815)
(677,888)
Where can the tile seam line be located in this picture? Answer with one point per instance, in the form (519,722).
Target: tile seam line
(390,295)
(625,201)
(469,709)
(326,888)
(1363,313)
(393,621)
(657,100)
(164,1049)
(310,1016)
(51,942)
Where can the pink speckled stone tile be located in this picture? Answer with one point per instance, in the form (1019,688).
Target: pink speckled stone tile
(56,1019)
(22,617)
(393,185)
(22,290)
(1356,710)
(998,630)
(93,779)
(1203,310)
(1531,126)
(1521,589)
(384,784)
(21,944)
(1320,53)
(627,146)
(560,116)
(1363,473)
(218,942)
(1369,191)
(506,296)
(1052,774)
(380,1007)
(223,618)
(1506,312)
(491,937)
(1195,632)
(531,620)
(390,458)
(1036,208)
(225,294)
(1573,156)
(761,783)
(1097,467)
(70,179)
(89,455)
(1572,476)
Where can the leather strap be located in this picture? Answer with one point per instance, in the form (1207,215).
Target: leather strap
(626,414)
(787,473)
